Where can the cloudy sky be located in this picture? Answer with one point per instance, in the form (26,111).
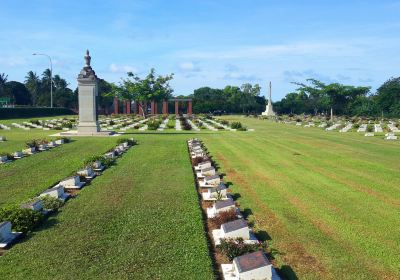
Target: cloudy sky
(204,42)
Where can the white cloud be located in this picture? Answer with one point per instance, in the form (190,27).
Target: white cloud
(189,67)
(325,49)
(13,61)
(122,68)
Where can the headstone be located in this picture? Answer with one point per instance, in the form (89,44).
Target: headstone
(56,192)
(72,182)
(6,235)
(253,266)
(233,230)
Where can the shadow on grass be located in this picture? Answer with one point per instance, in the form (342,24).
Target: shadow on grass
(285,271)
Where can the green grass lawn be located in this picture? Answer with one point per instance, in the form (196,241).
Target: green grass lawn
(139,220)
(329,202)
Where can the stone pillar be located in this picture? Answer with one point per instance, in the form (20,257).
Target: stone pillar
(190,108)
(176,108)
(128,107)
(116,105)
(165,108)
(87,98)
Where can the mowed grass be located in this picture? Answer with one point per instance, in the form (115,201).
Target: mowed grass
(27,177)
(139,220)
(329,201)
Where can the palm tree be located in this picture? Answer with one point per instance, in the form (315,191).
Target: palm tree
(32,83)
(3,81)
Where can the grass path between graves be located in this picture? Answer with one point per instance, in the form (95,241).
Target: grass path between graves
(329,201)
(27,177)
(139,220)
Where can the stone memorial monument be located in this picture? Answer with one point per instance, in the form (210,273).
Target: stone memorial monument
(269,111)
(87,94)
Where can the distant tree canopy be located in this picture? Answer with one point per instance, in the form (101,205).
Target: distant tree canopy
(231,99)
(151,87)
(315,97)
(35,91)
(310,97)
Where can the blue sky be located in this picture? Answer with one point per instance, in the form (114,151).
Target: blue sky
(206,43)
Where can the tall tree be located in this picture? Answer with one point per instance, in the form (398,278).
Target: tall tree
(3,81)
(33,84)
(152,87)
(18,92)
(388,97)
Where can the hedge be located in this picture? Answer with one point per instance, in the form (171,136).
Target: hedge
(15,113)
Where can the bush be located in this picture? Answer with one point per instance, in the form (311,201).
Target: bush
(236,125)
(130,141)
(51,203)
(184,124)
(232,248)
(153,125)
(356,126)
(223,217)
(224,122)
(370,128)
(34,143)
(104,161)
(22,219)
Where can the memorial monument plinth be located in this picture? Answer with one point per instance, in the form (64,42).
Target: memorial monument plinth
(87,98)
(269,111)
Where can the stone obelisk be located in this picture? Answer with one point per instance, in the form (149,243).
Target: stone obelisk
(269,111)
(87,94)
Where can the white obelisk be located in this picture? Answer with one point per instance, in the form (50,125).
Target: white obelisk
(269,111)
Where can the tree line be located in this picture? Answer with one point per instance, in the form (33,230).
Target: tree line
(35,90)
(315,97)
(311,97)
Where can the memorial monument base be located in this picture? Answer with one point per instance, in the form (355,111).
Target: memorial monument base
(97,133)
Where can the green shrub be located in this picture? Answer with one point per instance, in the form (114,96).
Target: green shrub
(104,161)
(22,219)
(153,125)
(130,141)
(34,143)
(370,128)
(223,217)
(232,248)
(51,203)
(236,125)
(356,126)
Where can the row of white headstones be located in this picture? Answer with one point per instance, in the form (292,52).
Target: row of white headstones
(7,236)
(249,266)
(29,151)
(362,129)
(44,124)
